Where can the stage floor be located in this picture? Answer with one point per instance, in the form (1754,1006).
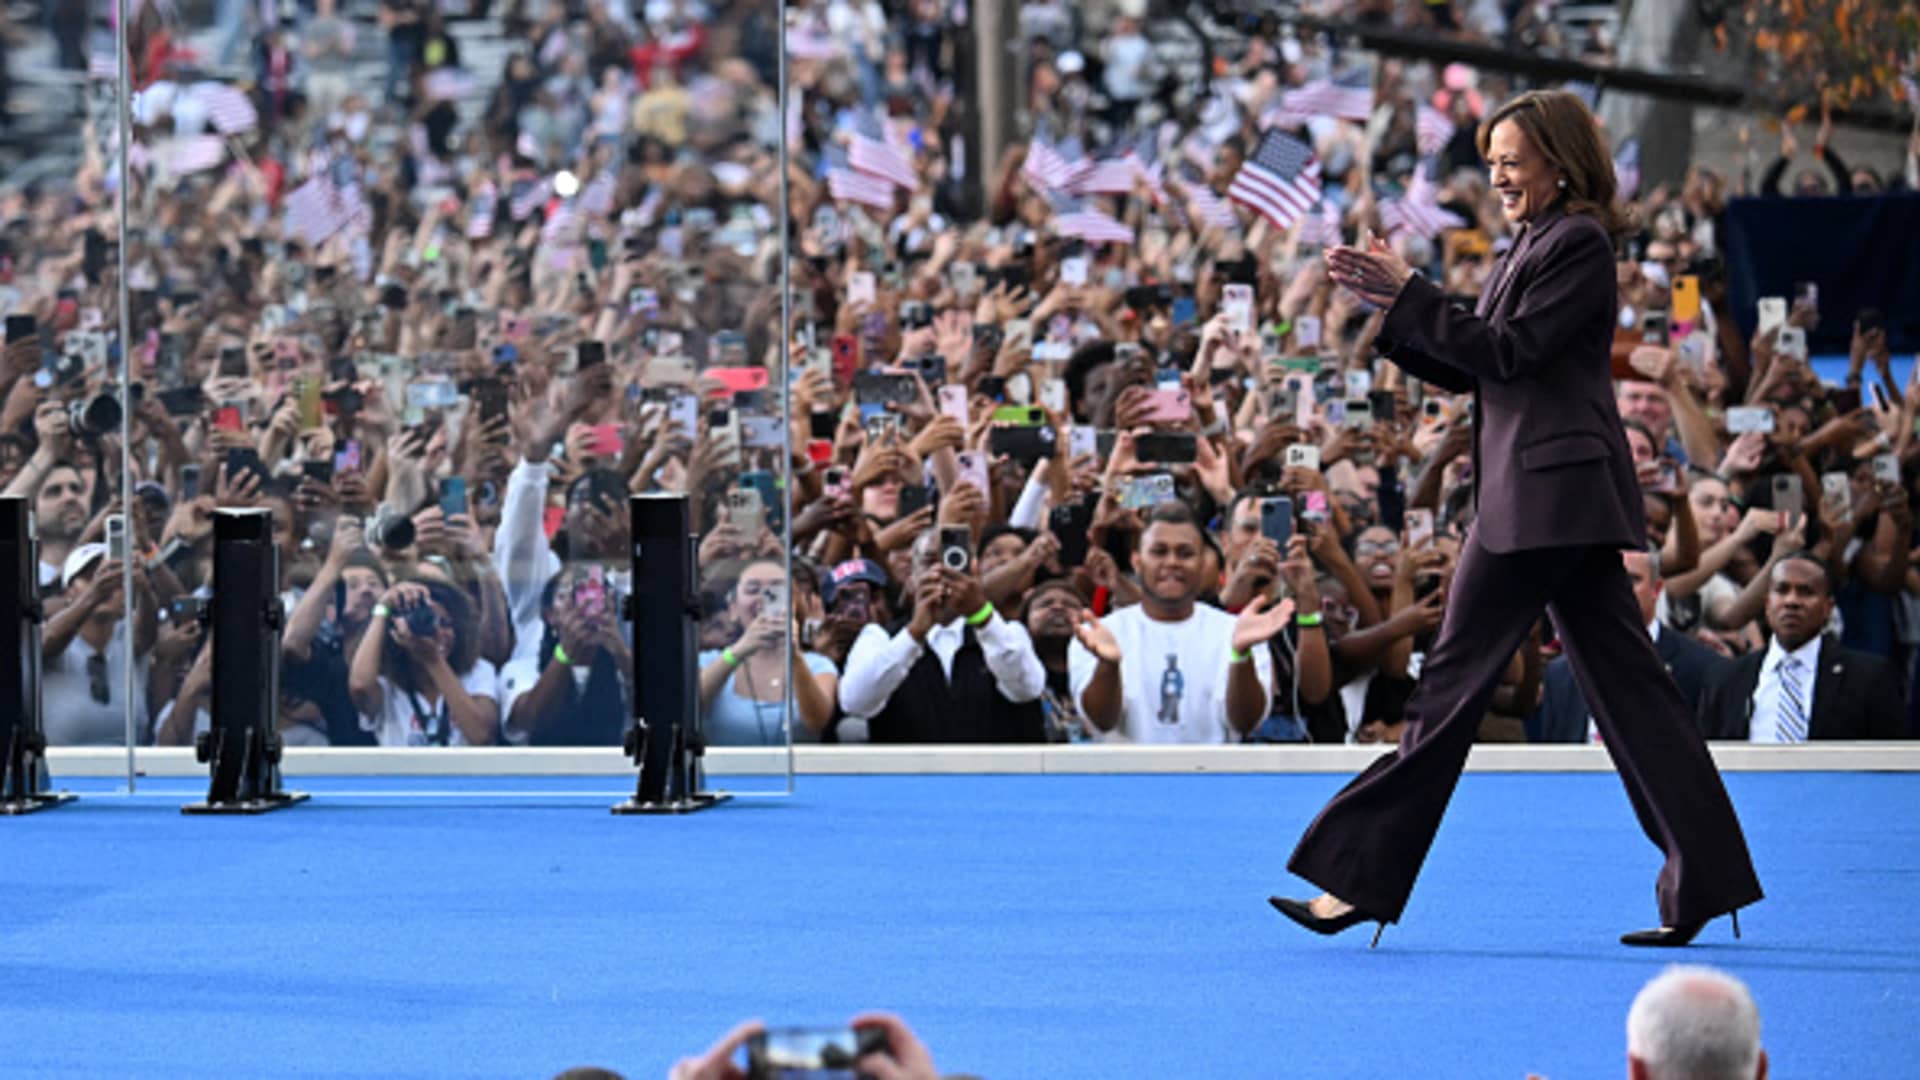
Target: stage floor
(1025,926)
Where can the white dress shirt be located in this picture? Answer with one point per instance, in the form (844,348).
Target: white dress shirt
(878,662)
(1763,722)
(521,555)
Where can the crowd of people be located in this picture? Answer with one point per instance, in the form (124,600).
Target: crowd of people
(1103,456)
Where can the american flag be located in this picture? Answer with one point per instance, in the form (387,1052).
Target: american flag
(1418,211)
(1626,168)
(1077,218)
(528,199)
(1051,168)
(1348,96)
(480,211)
(1207,209)
(228,107)
(1322,227)
(846,184)
(1281,180)
(1152,168)
(1111,175)
(316,210)
(596,199)
(194,154)
(1432,131)
(869,153)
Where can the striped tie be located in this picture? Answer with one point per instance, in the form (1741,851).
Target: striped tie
(1790,719)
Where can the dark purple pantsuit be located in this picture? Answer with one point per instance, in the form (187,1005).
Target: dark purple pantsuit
(1558,498)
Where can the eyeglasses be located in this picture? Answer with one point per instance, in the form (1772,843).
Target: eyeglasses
(1375,547)
(97,685)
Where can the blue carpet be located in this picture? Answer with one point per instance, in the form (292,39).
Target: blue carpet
(1025,926)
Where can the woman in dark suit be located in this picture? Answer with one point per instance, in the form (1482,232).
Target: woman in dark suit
(1557,501)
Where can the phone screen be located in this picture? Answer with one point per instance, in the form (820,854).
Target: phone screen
(453,495)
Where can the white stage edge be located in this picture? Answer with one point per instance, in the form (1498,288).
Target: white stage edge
(962,760)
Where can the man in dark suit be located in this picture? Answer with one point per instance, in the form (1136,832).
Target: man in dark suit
(1557,500)
(1563,715)
(1803,685)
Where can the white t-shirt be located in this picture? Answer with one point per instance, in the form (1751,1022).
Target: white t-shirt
(400,724)
(72,685)
(1173,675)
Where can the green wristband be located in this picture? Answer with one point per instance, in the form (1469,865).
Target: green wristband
(560,654)
(1237,656)
(727,655)
(980,617)
(1310,619)
(382,611)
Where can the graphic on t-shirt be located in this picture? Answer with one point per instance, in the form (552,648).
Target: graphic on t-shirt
(1173,686)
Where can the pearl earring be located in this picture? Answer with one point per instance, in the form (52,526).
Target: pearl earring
(1563,183)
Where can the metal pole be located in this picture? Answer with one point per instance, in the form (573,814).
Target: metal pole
(123,114)
(792,703)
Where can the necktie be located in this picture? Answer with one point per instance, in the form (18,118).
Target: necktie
(1790,718)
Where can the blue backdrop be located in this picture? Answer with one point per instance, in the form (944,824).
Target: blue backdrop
(1862,252)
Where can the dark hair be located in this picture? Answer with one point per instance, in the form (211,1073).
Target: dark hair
(999,529)
(1827,579)
(1084,362)
(1167,512)
(466,647)
(1561,127)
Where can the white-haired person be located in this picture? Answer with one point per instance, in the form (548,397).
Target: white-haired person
(1694,1023)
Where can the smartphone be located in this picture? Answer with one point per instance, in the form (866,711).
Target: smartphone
(1787,497)
(1654,328)
(819,1053)
(1419,522)
(346,456)
(838,483)
(915,498)
(1303,456)
(1382,404)
(953,402)
(1020,415)
(1236,303)
(233,362)
(606,440)
(1685,306)
(489,398)
(590,593)
(740,380)
(1836,493)
(189,482)
(1807,292)
(1019,388)
(320,472)
(228,418)
(453,495)
(932,368)
(1053,395)
(1791,341)
(1886,468)
(1143,492)
(973,470)
(1069,525)
(1359,383)
(1276,520)
(21,328)
(1773,313)
(956,548)
(1082,441)
(589,354)
(1165,447)
(117,537)
(846,357)
(747,513)
(1167,407)
(881,388)
(860,287)
(1744,418)
(1073,270)
(307,392)
(762,432)
(1359,413)
(1022,444)
(182,400)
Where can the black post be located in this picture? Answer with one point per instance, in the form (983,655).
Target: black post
(666,739)
(23,772)
(243,745)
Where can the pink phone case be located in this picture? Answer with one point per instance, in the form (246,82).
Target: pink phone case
(1168,407)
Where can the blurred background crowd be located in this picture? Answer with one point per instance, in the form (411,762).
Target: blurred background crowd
(961,415)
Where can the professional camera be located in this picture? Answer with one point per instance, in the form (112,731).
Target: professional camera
(97,416)
(390,529)
(422,621)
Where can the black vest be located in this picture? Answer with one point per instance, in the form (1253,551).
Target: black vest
(930,708)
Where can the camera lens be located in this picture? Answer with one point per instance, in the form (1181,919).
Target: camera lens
(954,558)
(422,622)
(98,416)
(391,531)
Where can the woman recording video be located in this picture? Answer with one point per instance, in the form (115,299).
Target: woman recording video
(743,686)
(576,691)
(417,678)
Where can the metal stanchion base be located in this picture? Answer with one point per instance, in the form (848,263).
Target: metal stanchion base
(30,804)
(704,801)
(279,800)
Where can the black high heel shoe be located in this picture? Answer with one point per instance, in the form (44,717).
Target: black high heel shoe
(1673,937)
(1302,913)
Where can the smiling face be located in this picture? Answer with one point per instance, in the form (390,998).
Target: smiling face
(1524,180)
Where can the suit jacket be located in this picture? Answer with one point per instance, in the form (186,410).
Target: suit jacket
(1855,696)
(1562,716)
(1550,459)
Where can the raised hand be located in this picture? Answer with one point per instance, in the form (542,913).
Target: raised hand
(1259,621)
(1096,638)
